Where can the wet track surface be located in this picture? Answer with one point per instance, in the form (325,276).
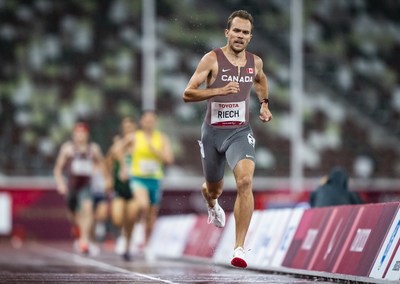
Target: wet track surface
(57,263)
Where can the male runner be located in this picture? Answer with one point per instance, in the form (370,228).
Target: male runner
(229,73)
(123,208)
(73,172)
(152,151)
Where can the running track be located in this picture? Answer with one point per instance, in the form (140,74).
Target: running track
(56,262)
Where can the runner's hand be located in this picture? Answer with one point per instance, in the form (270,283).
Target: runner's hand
(230,88)
(265,113)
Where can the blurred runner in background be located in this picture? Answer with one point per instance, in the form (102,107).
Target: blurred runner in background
(73,173)
(123,208)
(151,153)
(100,197)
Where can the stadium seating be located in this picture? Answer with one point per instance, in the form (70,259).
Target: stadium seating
(63,61)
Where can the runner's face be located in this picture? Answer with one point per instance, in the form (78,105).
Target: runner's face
(239,35)
(149,121)
(80,135)
(128,127)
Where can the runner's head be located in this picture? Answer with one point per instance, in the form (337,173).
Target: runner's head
(148,121)
(239,30)
(242,14)
(80,133)
(128,126)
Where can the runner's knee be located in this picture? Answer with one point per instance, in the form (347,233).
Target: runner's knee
(244,184)
(214,190)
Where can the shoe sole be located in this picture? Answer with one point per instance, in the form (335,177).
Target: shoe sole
(219,226)
(239,262)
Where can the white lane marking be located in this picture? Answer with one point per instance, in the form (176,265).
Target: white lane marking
(88,261)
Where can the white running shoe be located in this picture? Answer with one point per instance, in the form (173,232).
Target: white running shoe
(216,215)
(238,258)
(120,245)
(94,250)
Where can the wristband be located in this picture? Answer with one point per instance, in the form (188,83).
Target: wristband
(264,101)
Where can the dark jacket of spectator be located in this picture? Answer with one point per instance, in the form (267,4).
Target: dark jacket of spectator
(334,191)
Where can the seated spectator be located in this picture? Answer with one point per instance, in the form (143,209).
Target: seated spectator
(334,190)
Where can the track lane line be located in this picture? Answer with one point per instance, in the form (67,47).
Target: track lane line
(88,261)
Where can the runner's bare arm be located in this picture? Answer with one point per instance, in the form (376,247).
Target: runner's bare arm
(110,158)
(101,161)
(261,89)
(120,152)
(167,149)
(58,169)
(205,73)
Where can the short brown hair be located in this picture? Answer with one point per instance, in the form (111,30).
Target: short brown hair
(240,14)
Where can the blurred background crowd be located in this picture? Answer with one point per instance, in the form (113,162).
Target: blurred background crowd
(67,60)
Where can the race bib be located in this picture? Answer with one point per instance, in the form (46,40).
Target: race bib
(82,167)
(228,113)
(98,183)
(148,167)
